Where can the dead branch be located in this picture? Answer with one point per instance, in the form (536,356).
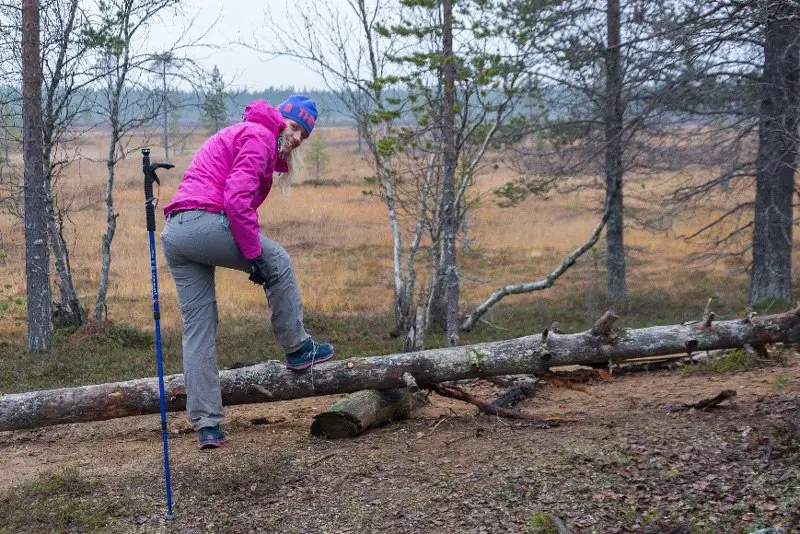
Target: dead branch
(490,409)
(705,404)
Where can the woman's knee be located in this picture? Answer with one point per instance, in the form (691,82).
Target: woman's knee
(280,264)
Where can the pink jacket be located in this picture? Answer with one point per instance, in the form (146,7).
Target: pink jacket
(232,173)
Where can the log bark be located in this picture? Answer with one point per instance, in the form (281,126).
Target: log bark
(273,382)
(356,413)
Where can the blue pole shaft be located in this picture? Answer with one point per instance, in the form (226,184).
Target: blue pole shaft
(160,361)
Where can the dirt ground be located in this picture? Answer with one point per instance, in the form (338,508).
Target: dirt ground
(627,465)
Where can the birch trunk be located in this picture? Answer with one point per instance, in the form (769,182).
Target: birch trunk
(273,382)
(68,294)
(57,94)
(111,227)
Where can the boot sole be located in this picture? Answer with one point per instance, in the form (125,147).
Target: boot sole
(309,364)
(212,444)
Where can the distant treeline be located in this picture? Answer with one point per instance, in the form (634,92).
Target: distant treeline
(185,106)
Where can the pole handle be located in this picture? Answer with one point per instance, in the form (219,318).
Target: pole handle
(149,170)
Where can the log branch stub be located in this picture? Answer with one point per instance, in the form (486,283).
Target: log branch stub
(706,312)
(603,325)
(411,383)
(708,315)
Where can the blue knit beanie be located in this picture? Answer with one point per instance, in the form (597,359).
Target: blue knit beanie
(301,109)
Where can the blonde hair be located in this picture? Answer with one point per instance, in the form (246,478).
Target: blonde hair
(294,161)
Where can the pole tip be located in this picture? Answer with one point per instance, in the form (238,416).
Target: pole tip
(145,151)
(170,516)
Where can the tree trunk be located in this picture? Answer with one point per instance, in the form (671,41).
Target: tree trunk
(37,254)
(776,160)
(273,382)
(165,103)
(57,97)
(111,227)
(72,309)
(450,223)
(356,413)
(615,243)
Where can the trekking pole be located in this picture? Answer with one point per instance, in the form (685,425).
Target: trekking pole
(149,178)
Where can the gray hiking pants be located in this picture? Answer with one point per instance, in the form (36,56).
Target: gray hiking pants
(195,243)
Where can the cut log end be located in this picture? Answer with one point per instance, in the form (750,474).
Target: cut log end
(361,410)
(335,425)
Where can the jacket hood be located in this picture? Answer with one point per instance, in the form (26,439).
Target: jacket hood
(262,113)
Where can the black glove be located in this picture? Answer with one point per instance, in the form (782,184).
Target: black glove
(259,272)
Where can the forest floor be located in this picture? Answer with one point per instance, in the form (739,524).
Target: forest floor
(629,464)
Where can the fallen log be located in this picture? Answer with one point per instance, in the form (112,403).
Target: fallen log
(271,381)
(364,409)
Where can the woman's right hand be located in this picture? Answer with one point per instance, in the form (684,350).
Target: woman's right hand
(259,273)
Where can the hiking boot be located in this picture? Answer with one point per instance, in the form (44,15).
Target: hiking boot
(310,353)
(211,437)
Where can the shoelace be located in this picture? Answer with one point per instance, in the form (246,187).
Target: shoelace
(314,346)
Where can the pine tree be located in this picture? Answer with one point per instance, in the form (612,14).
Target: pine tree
(317,155)
(214,106)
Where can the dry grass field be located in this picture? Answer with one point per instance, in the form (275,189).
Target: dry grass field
(340,243)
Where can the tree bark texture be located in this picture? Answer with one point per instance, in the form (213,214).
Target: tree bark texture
(615,243)
(356,413)
(111,228)
(37,255)
(273,382)
(777,153)
(68,294)
(165,103)
(450,224)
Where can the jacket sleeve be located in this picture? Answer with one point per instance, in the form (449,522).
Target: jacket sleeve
(254,158)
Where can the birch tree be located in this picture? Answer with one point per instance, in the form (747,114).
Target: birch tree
(488,75)
(125,103)
(352,55)
(64,98)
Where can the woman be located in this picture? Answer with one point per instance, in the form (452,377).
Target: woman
(213,222)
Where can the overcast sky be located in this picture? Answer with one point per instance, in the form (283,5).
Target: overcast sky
(237,20)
